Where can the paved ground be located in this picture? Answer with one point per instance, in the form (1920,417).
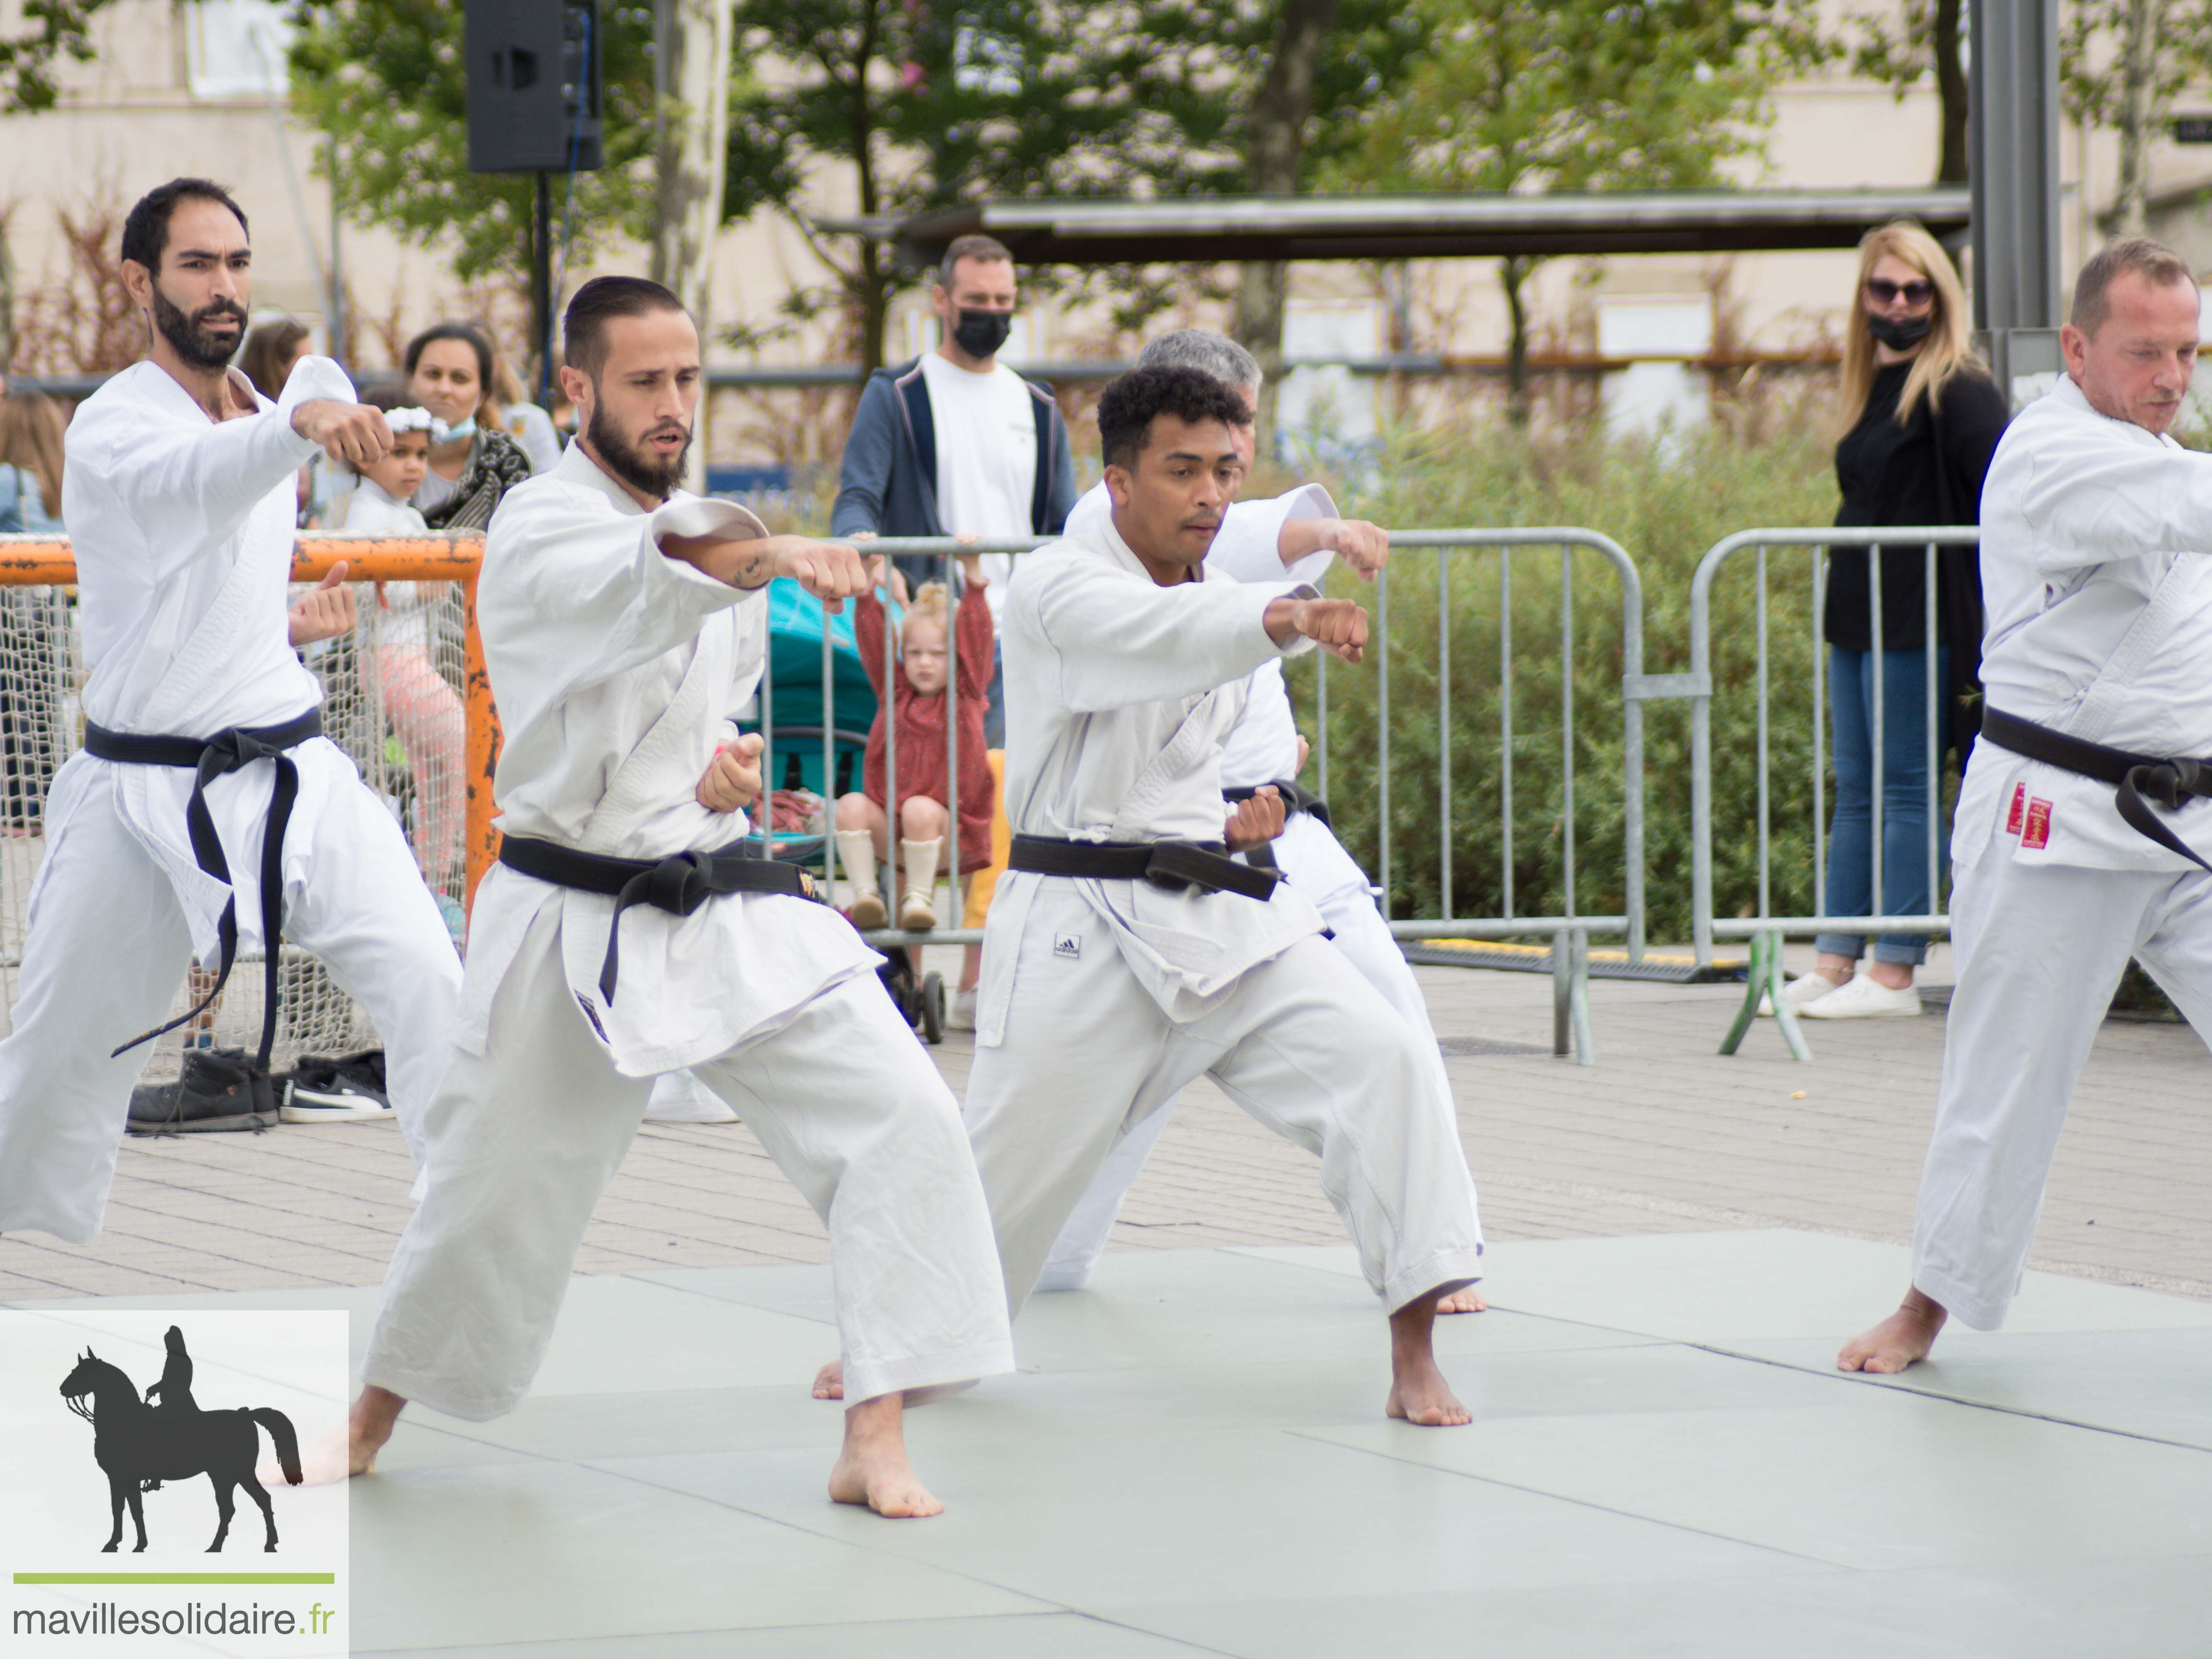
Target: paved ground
(1663,1135)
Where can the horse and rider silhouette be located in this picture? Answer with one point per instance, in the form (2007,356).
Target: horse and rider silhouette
(139,1445)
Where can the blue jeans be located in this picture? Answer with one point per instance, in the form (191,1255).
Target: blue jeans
(1904,762)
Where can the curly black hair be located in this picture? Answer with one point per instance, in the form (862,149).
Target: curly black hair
(1125,408)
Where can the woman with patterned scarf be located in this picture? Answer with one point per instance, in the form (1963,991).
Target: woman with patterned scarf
(449,373)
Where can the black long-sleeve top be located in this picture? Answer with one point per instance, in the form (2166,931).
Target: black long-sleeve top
(1889,475)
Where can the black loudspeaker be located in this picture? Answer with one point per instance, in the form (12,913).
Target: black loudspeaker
(533,85)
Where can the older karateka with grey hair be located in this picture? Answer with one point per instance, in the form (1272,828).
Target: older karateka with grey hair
(626,934)
(2082,830)
(1295,535)
(1126,953)
(205,813)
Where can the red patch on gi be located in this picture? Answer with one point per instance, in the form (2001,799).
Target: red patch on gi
(2019,806)
(2037,833)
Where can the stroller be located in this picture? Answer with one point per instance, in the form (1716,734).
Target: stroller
(797,718)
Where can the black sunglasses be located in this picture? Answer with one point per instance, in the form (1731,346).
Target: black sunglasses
(1887,293)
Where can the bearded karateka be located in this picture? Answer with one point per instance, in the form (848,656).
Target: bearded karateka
(626,934)
(205,813)
(2082,832)
(1127,953)
(1294,536)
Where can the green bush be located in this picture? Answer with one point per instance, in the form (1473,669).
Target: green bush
(1665,501)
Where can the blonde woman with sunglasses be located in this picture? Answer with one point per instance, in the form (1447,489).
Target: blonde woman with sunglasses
(1920,419)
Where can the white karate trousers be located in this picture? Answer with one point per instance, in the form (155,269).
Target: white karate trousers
(1365,938)
(105,953)
(1303,1042)
(524,1137)
(2040,949)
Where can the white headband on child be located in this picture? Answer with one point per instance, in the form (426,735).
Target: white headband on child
(411,420)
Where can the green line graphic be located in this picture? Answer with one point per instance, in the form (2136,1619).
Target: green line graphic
(176,1578)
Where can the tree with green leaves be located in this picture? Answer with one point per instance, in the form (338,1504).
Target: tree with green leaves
(2121,62)
(1902,47)
(1515,95)
(385,81)
(52,31)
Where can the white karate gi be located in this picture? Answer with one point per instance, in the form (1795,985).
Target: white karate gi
(1101,999)
(182,528)
(2098,586)
(615,667)
(1261,748)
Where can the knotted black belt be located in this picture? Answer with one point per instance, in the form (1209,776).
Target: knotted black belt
(1297,798)
(208,759)
(2169,783)
(1203,864)
(678,885)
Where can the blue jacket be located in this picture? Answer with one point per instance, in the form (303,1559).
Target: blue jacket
(887,481)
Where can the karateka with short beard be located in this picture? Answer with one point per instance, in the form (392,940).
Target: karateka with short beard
(1125,954)
(625,934)
(206,814)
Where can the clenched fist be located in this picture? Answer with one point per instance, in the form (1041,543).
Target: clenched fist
(1255,822)
(1335,625)
(732,780)
(352,433)
(1365,547)
(324,613)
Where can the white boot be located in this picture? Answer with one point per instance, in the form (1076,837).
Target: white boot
(856,852)
(918,908)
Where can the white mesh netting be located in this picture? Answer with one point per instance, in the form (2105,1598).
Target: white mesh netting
(392,700)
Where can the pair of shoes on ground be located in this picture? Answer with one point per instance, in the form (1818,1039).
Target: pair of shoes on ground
(1813,996)
(222,1090)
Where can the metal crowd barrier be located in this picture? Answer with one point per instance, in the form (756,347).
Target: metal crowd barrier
(1765,930)
(1569,932)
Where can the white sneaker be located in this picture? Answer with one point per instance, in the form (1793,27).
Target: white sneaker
(1864,1000)
(1799,995)
(962,1015)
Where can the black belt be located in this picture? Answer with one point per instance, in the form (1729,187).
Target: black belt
(1297,798)
(678,885)
(208,759)
(1205,866)
(2169,783)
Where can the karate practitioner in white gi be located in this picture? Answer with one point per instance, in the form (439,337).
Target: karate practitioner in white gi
(1292,536)
(2097,575)
(179,497)
(1104,995)
(623,622)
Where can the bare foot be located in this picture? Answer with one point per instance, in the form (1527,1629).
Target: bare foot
(370,1426)
(873,1469)
(1465,1300)
(1902,1338)
(830,1381)
(1419,1393)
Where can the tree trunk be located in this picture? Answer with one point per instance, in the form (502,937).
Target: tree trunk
(7,301)
(2138,71)
(1951,89)
(1273,155)
(692,74)
(1513,271)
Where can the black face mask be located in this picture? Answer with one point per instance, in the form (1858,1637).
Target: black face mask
(981,333)
(1899,332)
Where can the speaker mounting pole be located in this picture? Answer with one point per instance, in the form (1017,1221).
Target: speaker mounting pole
(541,290)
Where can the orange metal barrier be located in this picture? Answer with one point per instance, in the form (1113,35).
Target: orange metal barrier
(378,559)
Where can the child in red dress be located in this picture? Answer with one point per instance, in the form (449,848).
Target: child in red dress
(917,702)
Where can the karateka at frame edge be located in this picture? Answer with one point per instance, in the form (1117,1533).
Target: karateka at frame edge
(206,814)
(2082,829)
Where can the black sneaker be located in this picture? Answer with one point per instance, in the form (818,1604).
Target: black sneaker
(336,1090)
(217,1090)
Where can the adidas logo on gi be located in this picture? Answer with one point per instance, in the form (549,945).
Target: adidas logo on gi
(1067,945)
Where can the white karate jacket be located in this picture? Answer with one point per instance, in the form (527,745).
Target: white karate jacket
(615,670)
(1119,695)
(183,528)
(2098,588)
